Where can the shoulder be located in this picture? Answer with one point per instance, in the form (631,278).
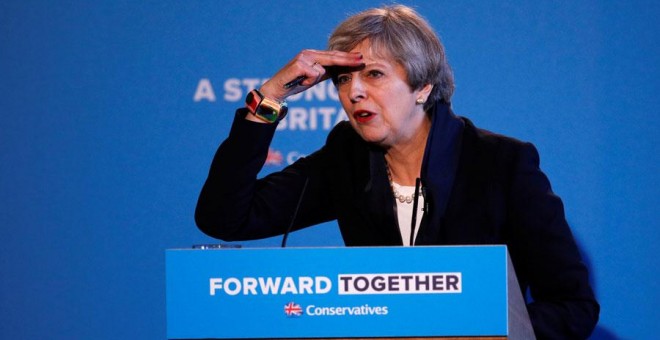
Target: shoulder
(492,141)
(490,151)
(489,139)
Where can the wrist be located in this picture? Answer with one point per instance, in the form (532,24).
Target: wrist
(268,92)
(264,108)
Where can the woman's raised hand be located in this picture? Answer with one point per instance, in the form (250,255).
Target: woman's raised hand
(307,69)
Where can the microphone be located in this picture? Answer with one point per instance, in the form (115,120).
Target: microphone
(295,213)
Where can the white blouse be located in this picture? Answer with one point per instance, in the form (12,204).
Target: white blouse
(404,212)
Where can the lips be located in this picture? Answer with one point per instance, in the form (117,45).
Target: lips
(363,116)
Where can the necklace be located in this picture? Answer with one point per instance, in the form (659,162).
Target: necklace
(402,198)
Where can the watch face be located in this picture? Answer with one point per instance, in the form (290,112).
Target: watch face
(265,108)
(267,114)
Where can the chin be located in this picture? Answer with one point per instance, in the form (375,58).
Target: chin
(370,134)
(374,139)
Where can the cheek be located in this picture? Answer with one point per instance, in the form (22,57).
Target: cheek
(344,100)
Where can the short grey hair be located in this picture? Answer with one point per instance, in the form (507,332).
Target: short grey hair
(400,33)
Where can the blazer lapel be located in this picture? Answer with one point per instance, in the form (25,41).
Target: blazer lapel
(439,170)
(379,200)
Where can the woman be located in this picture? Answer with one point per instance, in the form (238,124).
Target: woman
(403,171)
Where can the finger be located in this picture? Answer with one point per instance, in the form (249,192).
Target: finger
(322,72)
(323,62)
(315,74)
(336,58)
(303,66)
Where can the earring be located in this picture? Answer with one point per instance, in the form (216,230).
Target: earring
(420,101)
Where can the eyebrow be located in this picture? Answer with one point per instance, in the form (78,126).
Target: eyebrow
(337,70)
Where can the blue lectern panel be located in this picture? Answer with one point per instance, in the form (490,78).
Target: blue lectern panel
(337,292)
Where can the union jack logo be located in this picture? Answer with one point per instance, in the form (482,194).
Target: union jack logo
(292,309)
(274,157)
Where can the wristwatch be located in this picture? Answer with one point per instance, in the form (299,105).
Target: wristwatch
(264,108)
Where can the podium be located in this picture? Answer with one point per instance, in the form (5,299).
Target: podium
(344,293)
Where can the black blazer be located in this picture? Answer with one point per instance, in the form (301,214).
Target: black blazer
(480,188)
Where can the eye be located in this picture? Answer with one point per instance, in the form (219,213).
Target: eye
(375,74)
(343,79)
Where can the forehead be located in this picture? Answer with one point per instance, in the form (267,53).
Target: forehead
(374,51)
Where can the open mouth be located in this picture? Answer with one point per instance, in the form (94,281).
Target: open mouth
(362,116)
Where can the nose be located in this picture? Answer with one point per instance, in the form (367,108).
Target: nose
(356,91)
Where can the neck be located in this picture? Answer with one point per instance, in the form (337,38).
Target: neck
(405,159)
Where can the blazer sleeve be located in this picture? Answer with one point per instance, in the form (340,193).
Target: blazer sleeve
(564,306)
(234,205)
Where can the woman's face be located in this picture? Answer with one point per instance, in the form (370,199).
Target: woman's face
(379,103)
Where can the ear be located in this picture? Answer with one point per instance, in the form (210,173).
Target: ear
(424,92)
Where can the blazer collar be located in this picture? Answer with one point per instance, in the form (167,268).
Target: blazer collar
(438,173)
(439,168)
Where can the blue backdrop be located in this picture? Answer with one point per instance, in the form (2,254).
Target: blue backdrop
(112,110)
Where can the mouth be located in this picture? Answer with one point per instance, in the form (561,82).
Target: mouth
(363,116)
